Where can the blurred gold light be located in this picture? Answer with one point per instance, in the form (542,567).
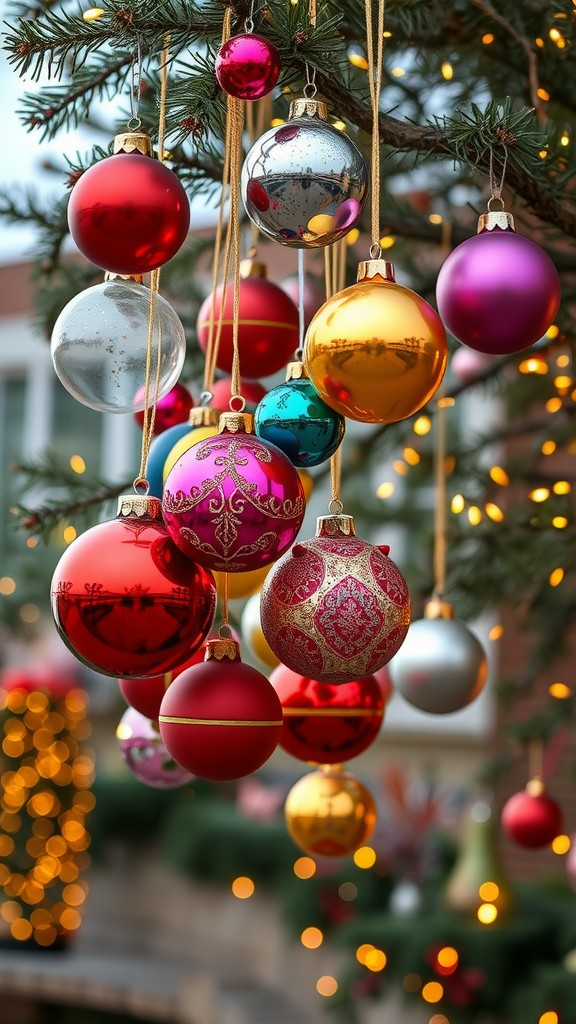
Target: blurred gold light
(562,487)
(496,632)
(563,382)
(552,332)
(494,512)
(326,985)
(489,892)
(77,464)
(375,960)
(550,1017)
(411,456)
(304,867)
(457,504)
(553,404)
(362,951)
(499,476)
(422,426)
(348,891)
(543,94)
(432,992)
(534,364)
(447,956)
(438,1018)
(32,542)
(447,70)
(548,448)
(7,585)
(560,691)
(539,494)
(556,577)
(435,218)
(352,236)
(365,857)
(385,489)
(561,844)
(21,930)
(474,515)
(69,534)
(565,139)
(487,913)
(487,38)
(387,241)
(29,613)
(242,887)
(312,938)
(397,72)
(559,522)
(400,467)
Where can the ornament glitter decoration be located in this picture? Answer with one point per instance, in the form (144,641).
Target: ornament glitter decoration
(532,818)
(294,418)
(335,608)
(99,345)
(330,813)
(498,292)
(129,213)
(327,724)
(221,720)
(376,351)
(173,408)
(126,601)
(441,666)
(144,753)
(247,66)
(233,502)
(305,183)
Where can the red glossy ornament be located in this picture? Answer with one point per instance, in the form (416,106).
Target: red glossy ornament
(129,213)
(324,723)
(221,720)
(126,601)
(268,333)
(171,409)
(233,502)
(335,608)
(247,66)
(532,818)
(252,392)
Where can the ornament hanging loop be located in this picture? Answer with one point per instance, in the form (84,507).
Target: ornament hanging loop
(205,399)
(497,199)
(310,89)
(375,251)
(335,507)
(141,484)
(237,403)
(497,184)
(135,89)
(249,23)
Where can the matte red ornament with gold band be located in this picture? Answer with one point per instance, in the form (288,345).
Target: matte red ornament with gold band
(126,601)
(326,723)
(335,608)
(268,324)
(221,720)
(232,502)
(330,813)
(129,213)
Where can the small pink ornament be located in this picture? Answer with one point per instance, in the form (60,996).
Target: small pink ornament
(335,608)
(467,364)
(498,292)
(171,409)
(232,501)
(247,66)
(144,753)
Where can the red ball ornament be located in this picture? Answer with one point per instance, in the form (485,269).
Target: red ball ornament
(498,292)
(173,408)
(532,818)
(252,392)
(126,601)
(129,213)
(247,66)
(221,720)
(233,502)
(268,332)
(146,695)
(335,608)
(324,723)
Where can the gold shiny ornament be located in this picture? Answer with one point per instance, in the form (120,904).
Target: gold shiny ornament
(376,351)
(240,584)
(307,481)
(254,640)
(196,435)
(330,813)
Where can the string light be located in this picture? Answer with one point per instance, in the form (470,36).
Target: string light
(550,1017)
(435,218)
(243,887)
(432,992)
(400,467)
(487,913)
(553,405)
(387,241)
(534,364)
(560,691)
(77,464)
(561,844)
(539,494)
(559,522)
(312,938)
(548,448)
(496,632)
(457,504)
(7,585)
(398,72)
(494,512)
(499,476)
(489,892)
(69,533)
(474,515)
(365,857)
(447,70)
(362,952)
(562,487)
(326,985)
(556,577)
(304,867)
(385,490)
(375,960)
(487,38)
(422,425)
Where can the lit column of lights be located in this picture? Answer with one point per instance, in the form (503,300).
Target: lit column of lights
(46,779)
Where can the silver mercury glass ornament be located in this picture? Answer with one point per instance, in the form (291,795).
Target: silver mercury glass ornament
(305,183)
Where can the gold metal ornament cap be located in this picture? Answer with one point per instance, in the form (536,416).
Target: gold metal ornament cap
(438,608)
(495,219)
(133,142)
(335,526)
(204,416)
(139,505)
(535,787)
(253,268)
(236,423)
(222,647)
(296,370)
(368,269)
(304,107)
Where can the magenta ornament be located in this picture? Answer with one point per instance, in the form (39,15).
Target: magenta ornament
(247,66)
(171,408)
(232,501)
(498,292)
(144,753)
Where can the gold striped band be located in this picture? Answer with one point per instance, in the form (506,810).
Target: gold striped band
(251,323)
(292,712)
(211,721)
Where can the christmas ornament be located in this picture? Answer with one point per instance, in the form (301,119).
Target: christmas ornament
(129,213)
(247,66)
(221,720)
(376,352)
(441,666)
(570,862)
(498,292)
(252,392)
(335,608)
(532,818)
(327,724)
(160,449)
(232,501)
(172,409)
(144,753)
(252,634)
(314,294)
(125,600)
(304,183)
(466,364)
(145,695)
(268,333)
(330,813)
(99,346)
(294,418)
(240,584)
(202,423)
(478,875)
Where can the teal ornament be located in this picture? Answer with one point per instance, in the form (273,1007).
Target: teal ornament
(160,449)
(297,420)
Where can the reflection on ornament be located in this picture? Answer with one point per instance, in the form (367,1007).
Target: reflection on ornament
(252,634)
(324,723)
(194,435)
(221,720)
(145,755)
(478,876)
(293,417)
(335,608)
(172,409)
(498,292)
(376,352)
(233,502)
(330,813)
(305,183)
(532,818)
(99,344)
(247,66)
(126,601)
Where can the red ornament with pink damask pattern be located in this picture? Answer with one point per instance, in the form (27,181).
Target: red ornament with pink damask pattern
(335,608)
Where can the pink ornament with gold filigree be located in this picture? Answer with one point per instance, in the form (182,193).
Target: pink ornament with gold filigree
(232,502)
(335,608)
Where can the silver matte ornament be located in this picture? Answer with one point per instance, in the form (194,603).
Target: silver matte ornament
(441,666)
(305,183)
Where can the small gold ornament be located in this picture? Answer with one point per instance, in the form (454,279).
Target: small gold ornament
(330,813)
